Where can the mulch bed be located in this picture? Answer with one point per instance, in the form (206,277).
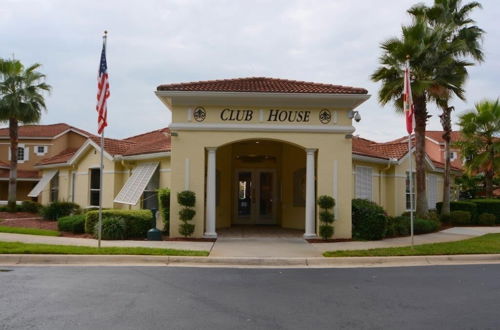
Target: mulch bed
(336,240)
(188,239)
(30,223)
(18,215)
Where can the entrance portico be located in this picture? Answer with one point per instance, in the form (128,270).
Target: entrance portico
(260,157)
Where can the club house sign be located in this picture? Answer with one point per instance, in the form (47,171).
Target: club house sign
(272,115)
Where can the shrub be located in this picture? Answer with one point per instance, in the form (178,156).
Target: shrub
(137,222)
(326,217)
(460,206)
(186,229)
(424,226)
(55,210)
(72,223)
(186,214)
(488,206)
(30,206)
(326,202)
(113,228)
(486,219)
(369,221)
(164,203)
(187,199)
(461,218)
(326,231)
(445,218)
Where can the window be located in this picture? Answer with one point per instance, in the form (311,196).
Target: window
(20,153)
(408,193)
(41,150)
(453,155)
(95,186)
(364,182)
(54,188)
(150,195)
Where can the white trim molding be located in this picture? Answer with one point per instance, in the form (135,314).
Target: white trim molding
(261,128)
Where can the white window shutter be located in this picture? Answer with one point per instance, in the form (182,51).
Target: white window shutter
(136,183)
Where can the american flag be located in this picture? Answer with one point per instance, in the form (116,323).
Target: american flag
(408,101)
(102,92)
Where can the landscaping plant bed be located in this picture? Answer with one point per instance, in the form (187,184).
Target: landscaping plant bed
(30,223)
(188,239)
(332,240)
(19,215)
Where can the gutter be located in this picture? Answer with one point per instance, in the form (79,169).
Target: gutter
(144,156)
(387,161)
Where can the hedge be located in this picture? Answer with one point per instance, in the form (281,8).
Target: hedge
(55,210)
(369,221)
(488,206)
(468,206)
(400,226)
(461,218)
(486,219)
(137,222)
(113,228)
(72,223)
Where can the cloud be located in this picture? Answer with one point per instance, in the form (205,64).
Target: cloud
(154,42)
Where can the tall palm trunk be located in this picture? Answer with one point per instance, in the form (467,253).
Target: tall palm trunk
(490,172)
(420,123)
(13,133)
(446,124)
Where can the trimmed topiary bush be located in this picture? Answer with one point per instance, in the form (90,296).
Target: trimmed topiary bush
(326,217)
(72,223)
(164,203)
(461,218)
(137,222)
(113,228)
(187,199)
(486,219)
(369,221)
(30,206)
(55,210)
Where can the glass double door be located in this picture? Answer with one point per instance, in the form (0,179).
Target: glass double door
(255,197)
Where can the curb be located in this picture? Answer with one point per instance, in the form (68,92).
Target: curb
(315,262)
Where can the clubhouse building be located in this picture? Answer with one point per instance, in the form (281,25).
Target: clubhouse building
(256,151)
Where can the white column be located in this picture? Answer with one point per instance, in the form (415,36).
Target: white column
(310,195)
(210,207)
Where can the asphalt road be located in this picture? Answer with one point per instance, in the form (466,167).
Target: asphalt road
(440,297)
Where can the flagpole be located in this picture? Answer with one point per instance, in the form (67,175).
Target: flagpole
(410,160)
(101,174)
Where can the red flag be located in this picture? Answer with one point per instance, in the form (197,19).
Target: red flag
(102,91)
(408,101)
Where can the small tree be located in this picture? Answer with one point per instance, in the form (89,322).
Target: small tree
(326,217)
(187,199)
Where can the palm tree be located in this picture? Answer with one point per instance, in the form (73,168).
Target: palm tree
(21,101)
(480,143)
(435,71)
(452,16)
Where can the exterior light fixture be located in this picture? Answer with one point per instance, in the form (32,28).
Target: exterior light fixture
(348,136)
(354,114)
(174,134)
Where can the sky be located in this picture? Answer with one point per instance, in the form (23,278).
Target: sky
(156,42)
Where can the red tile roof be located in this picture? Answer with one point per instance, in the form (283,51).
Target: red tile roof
(151,142)
(388,150)
(4,165)
(61,157)
(42,131)
(113,146)
(261,85)
(438,136)
(21,174)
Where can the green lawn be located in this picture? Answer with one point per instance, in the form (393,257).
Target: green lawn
(24,248)
(29,231)
(486,244)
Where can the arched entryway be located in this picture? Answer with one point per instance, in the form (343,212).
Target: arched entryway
(259,182)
